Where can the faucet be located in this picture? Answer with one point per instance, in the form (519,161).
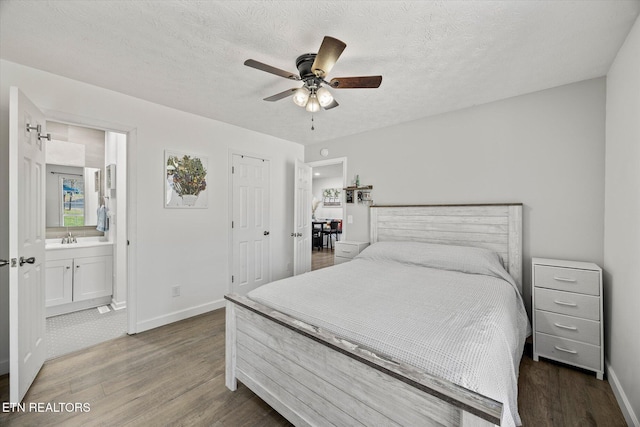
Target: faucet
(69,238)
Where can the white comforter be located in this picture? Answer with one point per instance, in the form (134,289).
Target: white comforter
(414,304)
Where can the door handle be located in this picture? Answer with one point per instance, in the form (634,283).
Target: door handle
(4,262)
(24,261)
(266,233)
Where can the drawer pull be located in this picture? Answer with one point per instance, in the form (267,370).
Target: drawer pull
(564,279)
(565,350)
(570,304)
(571,328)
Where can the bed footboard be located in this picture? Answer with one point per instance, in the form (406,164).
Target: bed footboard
(314,378)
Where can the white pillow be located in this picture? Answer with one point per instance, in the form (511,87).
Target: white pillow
(464,259)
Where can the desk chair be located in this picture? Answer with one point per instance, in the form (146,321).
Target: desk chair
(317,237)
(332,231)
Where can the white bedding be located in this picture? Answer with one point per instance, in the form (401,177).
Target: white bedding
(412,303)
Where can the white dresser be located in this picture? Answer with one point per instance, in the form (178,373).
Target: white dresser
(345,250)
(567,315)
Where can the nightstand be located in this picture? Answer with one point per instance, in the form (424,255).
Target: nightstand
(567,315)
(346,250)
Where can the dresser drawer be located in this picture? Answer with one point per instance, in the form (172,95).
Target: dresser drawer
(567,279)
(346,250)
(577,305)
(569,351)
(349,249)
(574,328)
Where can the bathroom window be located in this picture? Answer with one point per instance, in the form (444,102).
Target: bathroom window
(72,201)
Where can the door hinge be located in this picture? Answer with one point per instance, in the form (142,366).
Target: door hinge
(231,224)
(232,279)
(233,169)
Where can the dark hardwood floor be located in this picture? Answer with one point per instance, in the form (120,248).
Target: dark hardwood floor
(174,375)
(321,258)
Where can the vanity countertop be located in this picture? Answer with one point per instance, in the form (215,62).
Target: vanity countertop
(83,242)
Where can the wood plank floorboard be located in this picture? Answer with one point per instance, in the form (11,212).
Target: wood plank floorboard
(321,258)
(174,376)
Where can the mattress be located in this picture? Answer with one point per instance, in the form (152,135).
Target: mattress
(451,311)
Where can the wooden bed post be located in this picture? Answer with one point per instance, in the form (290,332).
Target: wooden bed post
(230,347)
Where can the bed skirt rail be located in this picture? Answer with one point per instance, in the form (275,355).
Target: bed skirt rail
(314,378)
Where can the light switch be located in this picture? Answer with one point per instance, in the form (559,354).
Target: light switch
(349,219)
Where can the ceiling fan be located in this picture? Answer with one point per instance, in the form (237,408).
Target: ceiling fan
(313,69)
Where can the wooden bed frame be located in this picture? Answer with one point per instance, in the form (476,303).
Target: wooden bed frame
(314,378)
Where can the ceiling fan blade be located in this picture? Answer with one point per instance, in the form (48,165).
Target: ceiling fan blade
(281,95)
(330,51)
(356,82)
(334,104)
(269,69)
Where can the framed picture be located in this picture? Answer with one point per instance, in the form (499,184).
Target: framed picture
(111,176)
(185,180)
(97,182)
(349,196)
(331,197)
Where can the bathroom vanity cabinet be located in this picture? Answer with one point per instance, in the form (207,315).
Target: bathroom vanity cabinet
(78,278)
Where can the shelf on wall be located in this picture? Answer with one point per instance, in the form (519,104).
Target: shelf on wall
(361,194)
(361,188)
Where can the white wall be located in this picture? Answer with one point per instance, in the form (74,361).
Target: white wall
(622,226)
(544,149)
(171,246)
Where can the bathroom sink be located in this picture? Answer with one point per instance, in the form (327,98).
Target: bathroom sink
(82,242)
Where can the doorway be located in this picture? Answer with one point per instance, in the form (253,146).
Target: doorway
(86,240)
(329,178)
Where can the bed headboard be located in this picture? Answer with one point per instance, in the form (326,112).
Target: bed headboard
(494,226)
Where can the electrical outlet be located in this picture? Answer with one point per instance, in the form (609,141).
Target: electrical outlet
(175,291)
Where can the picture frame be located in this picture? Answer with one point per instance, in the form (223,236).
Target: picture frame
(349,196)
(185,180)
(331,197)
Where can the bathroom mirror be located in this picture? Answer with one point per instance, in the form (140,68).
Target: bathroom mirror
(75,158)
(73,196)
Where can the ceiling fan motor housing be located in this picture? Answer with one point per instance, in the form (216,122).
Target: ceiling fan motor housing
(304,64)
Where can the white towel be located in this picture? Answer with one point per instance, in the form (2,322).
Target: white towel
(103,220)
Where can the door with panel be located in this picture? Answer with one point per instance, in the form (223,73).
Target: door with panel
(26,243)
(250,224)
(302,219)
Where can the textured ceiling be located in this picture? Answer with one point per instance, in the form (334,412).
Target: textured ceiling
(434,56)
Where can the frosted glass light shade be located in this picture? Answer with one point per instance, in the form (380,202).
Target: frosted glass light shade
(301,96)
(313,105)
(324,97)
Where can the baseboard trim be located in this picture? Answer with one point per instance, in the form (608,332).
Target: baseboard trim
(4,366)
(176,316)
(118,305)
(630,417)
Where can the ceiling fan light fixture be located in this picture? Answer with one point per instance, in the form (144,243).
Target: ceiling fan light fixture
(301,96)
(324,97)
(313,105)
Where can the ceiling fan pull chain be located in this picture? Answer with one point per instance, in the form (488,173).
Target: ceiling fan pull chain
(312,128)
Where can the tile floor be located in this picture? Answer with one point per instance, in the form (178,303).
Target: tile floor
(74,331)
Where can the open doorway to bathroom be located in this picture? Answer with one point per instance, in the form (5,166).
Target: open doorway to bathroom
(328,209)
(86,246)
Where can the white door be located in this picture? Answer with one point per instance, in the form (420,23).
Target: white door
(250,223)
(302,219)
(26,244)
